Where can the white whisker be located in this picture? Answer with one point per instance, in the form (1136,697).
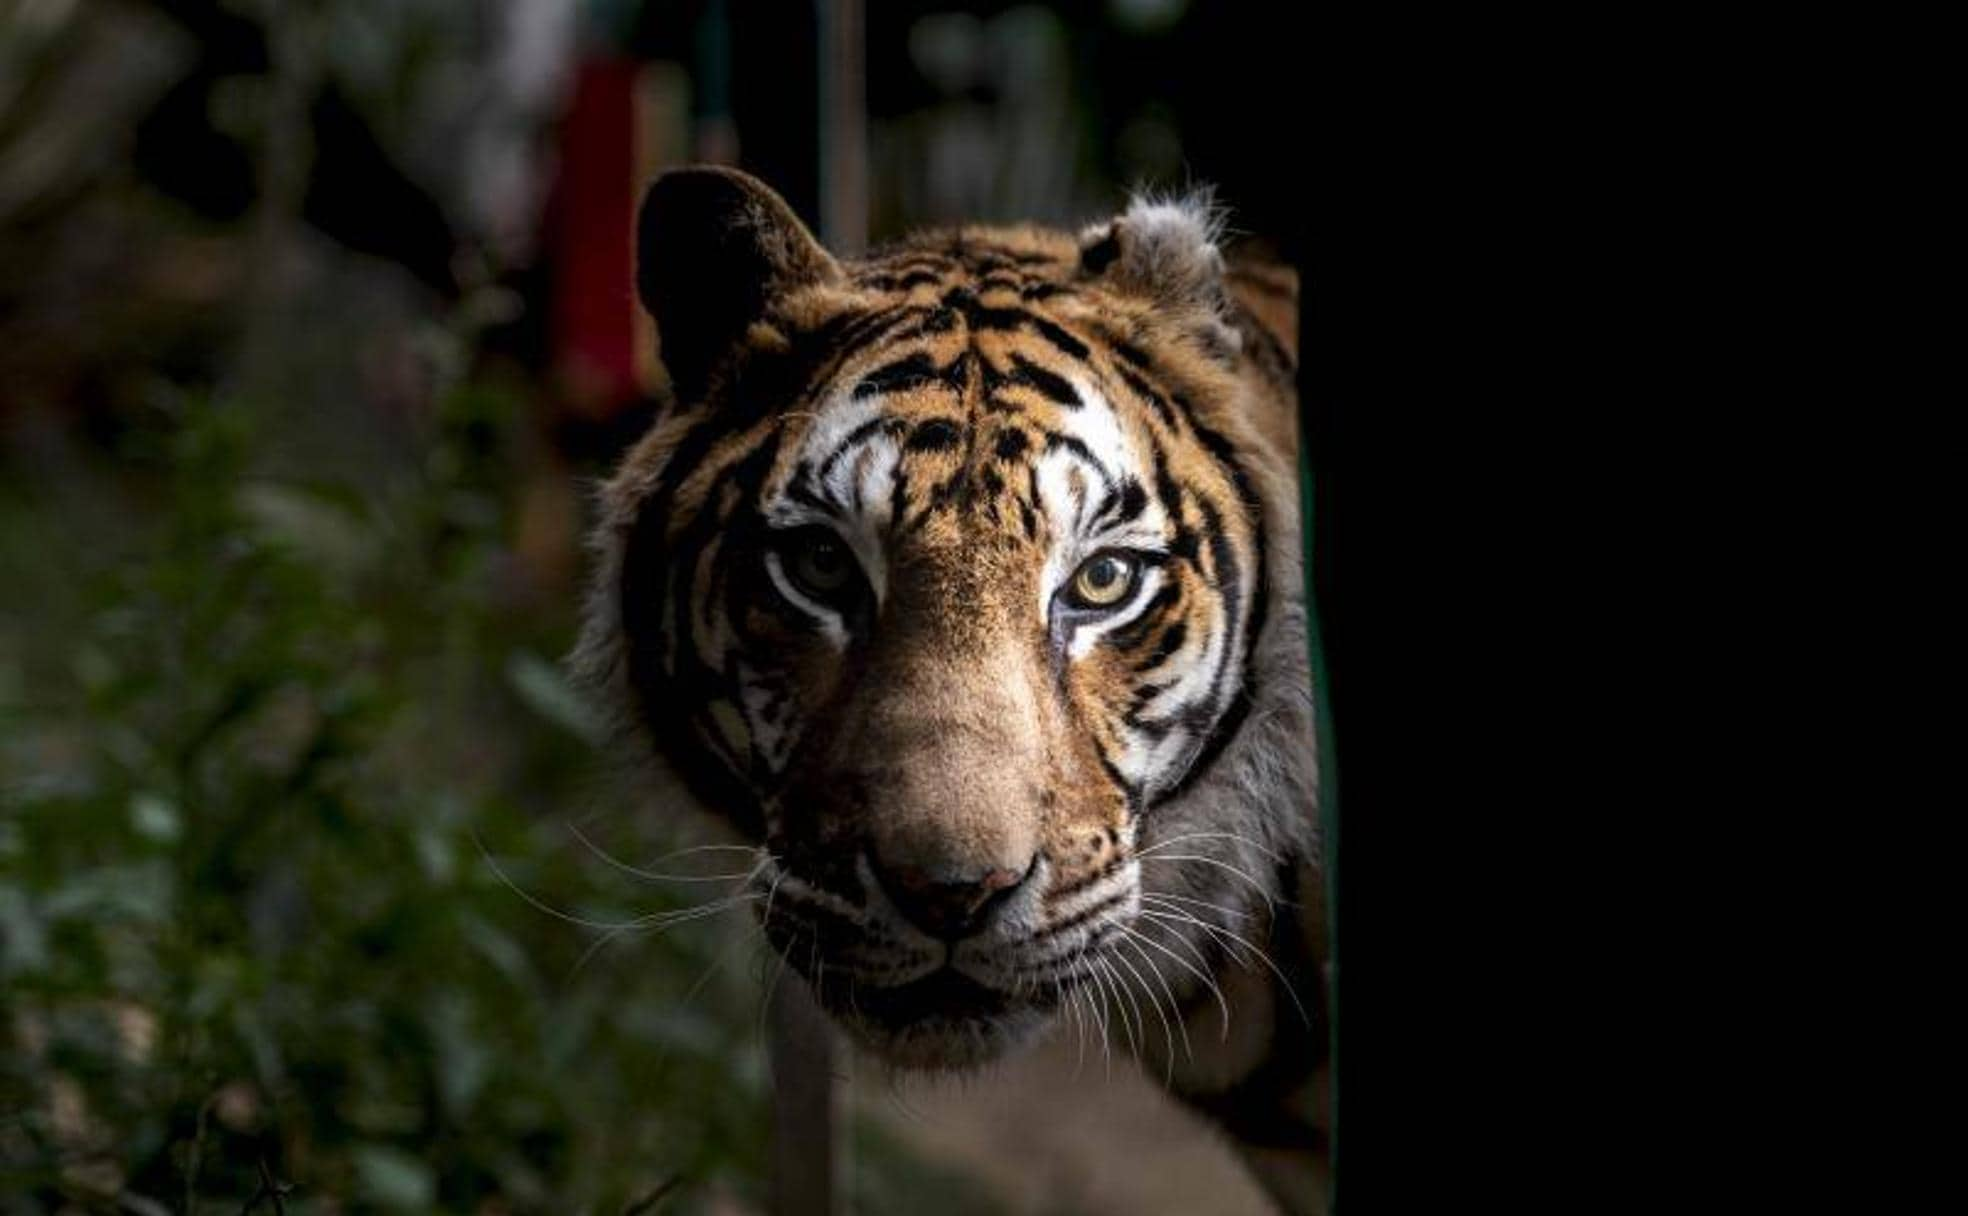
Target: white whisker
(1159,845)
(1097,1005)
(1121,993)
(1175,1007)
(651,875)
(1222,1004)
(1168,1032)
(1262,957)
(1242,914)
(561,914)
(1269,899)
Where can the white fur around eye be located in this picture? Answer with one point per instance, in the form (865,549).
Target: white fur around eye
(832,627)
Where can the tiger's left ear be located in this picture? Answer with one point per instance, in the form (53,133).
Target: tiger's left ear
(714,247)
(1166,251)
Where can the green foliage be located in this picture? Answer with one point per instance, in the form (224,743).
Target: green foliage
(277,762)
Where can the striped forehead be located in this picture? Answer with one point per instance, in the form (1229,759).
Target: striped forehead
(900,437)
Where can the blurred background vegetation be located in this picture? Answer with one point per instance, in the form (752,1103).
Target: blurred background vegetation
(314,319)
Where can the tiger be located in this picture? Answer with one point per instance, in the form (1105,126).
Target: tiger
(964,579)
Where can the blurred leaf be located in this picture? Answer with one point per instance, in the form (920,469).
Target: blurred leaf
(463,1063)
(436,855)
(244,775)
(312,526)
(22,933)
(393,1178)
(546,691)
(155,818)
(139,890)
(501,950)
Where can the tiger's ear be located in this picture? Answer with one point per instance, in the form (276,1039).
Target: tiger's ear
(1166,251)
(713,248)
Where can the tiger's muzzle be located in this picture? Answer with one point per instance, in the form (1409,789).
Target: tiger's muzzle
(953,983)
(947,856)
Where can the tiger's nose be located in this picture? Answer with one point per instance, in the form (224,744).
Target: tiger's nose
(944,903)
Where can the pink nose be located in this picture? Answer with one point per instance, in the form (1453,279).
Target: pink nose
(946,908)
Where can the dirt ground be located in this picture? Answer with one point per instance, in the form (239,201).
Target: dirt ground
(1057,1133)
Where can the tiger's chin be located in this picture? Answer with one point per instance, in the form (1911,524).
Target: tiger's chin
(941,1023)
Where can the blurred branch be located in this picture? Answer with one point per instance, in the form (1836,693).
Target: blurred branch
(74,81)
(286,155)
(196,1153)
(270,1190)
(649,1202)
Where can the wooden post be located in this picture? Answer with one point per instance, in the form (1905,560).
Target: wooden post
(809,1134)
(843,127)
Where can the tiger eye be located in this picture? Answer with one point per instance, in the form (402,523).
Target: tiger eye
(1103,580)
(822,566)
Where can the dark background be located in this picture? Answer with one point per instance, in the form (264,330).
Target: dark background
(299,386)
(314,327)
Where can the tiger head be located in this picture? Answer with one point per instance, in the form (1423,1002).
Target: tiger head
(940,576)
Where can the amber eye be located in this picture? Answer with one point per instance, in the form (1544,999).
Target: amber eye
(1104,580)
(819,563)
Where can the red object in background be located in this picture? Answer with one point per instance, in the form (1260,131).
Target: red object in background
(595,313)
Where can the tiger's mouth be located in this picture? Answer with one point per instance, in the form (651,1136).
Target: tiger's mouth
(946,995)
(922,1002)
(944,1020)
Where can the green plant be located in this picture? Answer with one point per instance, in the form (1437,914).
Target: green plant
(273,786)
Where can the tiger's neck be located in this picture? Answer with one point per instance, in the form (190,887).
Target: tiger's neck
(1261,1069)
(1262,1072)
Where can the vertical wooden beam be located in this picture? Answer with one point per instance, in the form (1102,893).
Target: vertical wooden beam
(809,1134)
(843,127)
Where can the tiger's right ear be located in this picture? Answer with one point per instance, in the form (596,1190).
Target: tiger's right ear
(713,247)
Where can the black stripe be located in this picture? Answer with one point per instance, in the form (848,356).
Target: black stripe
(1131,635)
(915,259)
(1051,385)
(1081,918)
(906,372)
(1072,443)
(1129,351)
(800,494)
(1068,345)
(855,438)
(1005,319)
(668,699)
(781,381)
(1143,696)
(1238,712)
(898,497)
(1125,504)
(901,282)
(1269,352)
(1171,641)
(1147,392)
(935,435)
(1061,894)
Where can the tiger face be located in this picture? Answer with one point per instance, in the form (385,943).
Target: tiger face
(940,575)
